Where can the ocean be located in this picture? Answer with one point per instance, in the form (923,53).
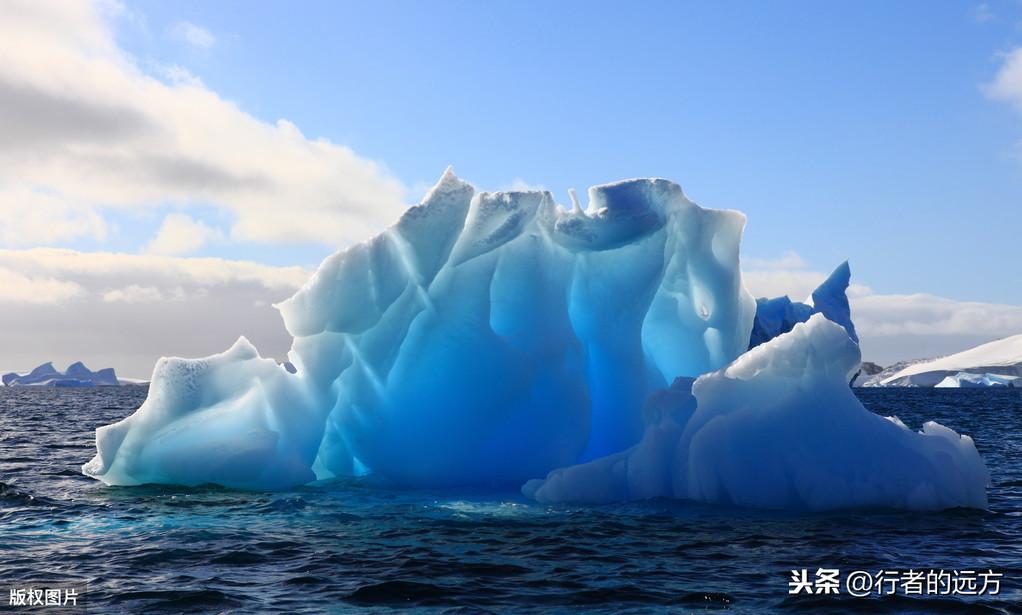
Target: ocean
(351,546)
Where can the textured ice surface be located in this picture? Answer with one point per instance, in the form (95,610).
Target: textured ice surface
(779,315)
(483,339)
(487,339)
(780,428)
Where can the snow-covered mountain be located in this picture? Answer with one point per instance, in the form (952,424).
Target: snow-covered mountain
(997,363)
(76,375)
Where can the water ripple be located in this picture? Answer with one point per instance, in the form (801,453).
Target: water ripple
(348,546)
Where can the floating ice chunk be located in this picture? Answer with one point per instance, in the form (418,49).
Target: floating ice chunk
(233,419)
(483,339)
(77,375)
(780,428)
(965,380)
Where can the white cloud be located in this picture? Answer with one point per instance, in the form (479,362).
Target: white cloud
(520,185)
(1007,83)
(59,262)
(983,13)
(796,284)
(125,310)
(32,216)
(83,125)
(923,315)
(789,260)
(196,36)
(788,275)
(18,288)
(135,293)
(180,234)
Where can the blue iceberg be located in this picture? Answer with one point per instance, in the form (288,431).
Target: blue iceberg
(779,315)
(487,339)
(76,375)
(484,339)
(780,428)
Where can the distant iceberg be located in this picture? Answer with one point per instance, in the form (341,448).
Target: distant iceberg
(999,361)
(966,380)
(489,338)
(76,375)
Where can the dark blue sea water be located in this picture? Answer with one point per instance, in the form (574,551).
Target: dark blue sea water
(350,546)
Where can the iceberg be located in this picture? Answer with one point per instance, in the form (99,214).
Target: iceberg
(484,339)
(76,375)
(779,428)
(966,380)
(779,315)
(1000,359)
(490,338)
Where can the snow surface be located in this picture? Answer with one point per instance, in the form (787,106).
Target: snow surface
(780,428)
(489,338)
(1001,357)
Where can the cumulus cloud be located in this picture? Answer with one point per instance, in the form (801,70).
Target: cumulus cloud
(135,293)
(929,315)
(1007,83)
(788,260)
(87,132)
(18,288)
(892,327)
(180,234)
(191,34)
(125,310)
(31,216)
(520,185)
(789,275)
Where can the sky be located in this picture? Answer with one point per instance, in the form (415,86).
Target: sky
(168,171)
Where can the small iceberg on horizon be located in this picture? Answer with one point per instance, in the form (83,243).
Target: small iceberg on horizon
(76,375)
(967,380)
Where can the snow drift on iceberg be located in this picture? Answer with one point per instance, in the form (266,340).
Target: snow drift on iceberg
(483,339)
(780,428)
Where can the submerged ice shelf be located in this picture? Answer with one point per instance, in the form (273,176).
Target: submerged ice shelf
(488,339)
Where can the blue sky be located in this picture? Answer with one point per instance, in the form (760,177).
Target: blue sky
(857,130)
(144,139)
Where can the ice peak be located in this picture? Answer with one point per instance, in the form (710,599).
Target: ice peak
(45,368)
